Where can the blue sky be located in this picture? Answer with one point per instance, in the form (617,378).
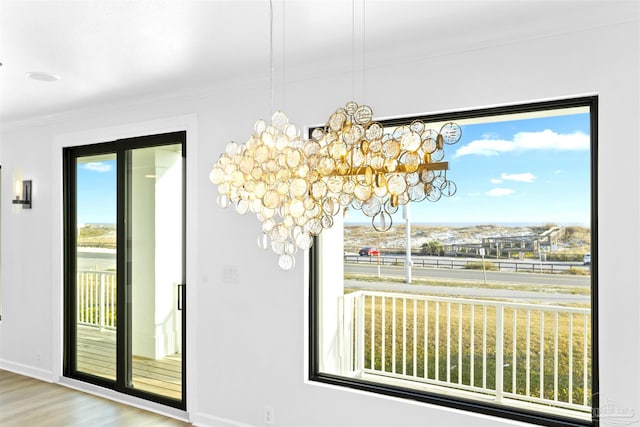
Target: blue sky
(97,192)
(532,171)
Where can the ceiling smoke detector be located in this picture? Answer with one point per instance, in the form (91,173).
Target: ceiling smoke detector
(42,76)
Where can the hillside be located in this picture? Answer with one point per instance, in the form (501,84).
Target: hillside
(575,239)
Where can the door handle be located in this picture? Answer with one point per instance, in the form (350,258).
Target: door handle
(181,288)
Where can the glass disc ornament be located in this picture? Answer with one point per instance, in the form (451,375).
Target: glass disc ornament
(382,221)
(417,126)
(410,160)
(449,189)
(217,175)
(429,144)
(371,207)
(374,131)
(259,127)
(294,157)
(412,178)
(391,149)
(331,206)
(298,187)
(411,141)
(362,192)
(451,133)
(437,155)
(304,241)
(327,221)
(335,184)
(279,120)
(439,181)
(286,262)
(231,149)
(318,190)
(267,225)
(434,193)
(242,206)
(271,199)
(279,233)
(345,199)
(277,247)
(427,176)
(313,226)
(416,193)
(336,121)
(390,208)
(363,115)
(264,241)
(223,201)
(296,208)
(375,145)
(290,248)
(396,184)
(381,191)
(316,135)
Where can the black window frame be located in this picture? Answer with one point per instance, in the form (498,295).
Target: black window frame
(474,406)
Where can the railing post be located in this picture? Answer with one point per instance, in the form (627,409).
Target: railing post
(359,334)
(499,352)
(348,344)
(102,302)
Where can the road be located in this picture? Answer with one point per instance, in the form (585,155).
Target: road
(503,277)
(96,259)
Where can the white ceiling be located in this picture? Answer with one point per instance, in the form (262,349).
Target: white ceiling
(109,50)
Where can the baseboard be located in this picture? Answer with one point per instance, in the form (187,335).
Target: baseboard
(205,420)
(28,371)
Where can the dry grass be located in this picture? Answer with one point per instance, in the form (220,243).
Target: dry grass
(423,349)
(97,236)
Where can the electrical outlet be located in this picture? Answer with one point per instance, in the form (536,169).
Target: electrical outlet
(268,415)
(230,275)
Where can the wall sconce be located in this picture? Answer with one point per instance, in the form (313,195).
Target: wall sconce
(25,201)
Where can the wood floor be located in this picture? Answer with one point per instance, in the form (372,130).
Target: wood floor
(26,401)
(97,354)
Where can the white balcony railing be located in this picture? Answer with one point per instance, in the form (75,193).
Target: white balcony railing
(538,354)
(96,299)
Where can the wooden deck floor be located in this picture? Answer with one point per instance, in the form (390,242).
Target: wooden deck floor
(97,356)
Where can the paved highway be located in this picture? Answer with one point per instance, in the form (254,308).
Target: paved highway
(96,259)
(503,277)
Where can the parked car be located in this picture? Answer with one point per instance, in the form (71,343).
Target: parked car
(368,250)
(586,260)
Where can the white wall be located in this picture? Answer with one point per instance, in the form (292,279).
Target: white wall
(248,339)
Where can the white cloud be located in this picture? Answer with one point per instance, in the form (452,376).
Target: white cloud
(97,167)
(525,141)
(499,192)
(496,181)
(520,177)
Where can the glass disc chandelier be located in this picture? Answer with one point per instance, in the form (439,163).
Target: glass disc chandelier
(296,186)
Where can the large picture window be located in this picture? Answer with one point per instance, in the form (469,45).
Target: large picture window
(485,300)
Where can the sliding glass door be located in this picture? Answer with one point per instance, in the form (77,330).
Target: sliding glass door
(124,276)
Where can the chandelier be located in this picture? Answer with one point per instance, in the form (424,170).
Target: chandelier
(296,186)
